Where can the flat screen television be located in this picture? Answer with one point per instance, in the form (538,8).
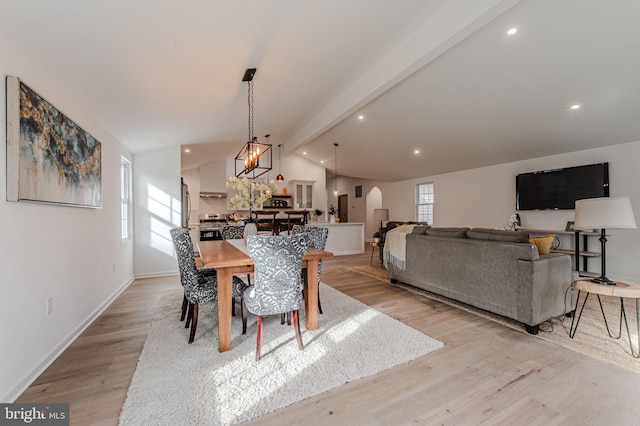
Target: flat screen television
(560,188)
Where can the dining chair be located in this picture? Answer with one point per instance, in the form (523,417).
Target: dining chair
(200,284)
(234,232)
(277,285)
(317,239)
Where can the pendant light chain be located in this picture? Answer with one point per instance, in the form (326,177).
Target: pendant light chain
(250,102)
(335,157)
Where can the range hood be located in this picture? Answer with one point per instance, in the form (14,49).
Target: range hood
(213,195)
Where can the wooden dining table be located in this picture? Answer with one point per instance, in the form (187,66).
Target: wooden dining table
(229,257)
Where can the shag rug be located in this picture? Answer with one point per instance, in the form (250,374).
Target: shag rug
(591,338)
(180,384)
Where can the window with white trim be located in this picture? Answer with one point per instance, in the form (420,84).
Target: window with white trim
(125,197)
(424,202)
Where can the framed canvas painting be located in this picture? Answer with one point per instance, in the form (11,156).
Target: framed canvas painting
(50,159)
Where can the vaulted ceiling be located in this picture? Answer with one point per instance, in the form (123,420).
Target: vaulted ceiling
(439,84)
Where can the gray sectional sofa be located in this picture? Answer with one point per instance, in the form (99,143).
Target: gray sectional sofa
(497,271)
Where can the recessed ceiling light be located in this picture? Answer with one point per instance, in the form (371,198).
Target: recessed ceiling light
(416,151)
(361,117)
(304,152)
(321,161)
(187,150)
(512,31)
(575,106)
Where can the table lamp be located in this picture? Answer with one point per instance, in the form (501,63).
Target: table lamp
(602,213)
(381,215)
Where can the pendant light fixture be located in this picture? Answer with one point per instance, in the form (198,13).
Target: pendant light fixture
(254,158)
(335,179)
(280,178)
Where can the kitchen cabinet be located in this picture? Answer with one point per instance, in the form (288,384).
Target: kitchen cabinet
(302,194)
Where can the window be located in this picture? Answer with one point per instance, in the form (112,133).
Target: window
(424,202)
(125,197)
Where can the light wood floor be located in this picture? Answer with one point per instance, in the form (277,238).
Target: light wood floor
(486,373)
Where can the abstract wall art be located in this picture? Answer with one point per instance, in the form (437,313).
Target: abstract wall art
(50,158)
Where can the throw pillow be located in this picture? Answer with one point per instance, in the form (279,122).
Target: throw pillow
(543,243)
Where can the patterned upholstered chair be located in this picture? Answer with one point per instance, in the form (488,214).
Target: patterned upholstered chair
(200,285)
(278,278)
(234,232)
(317,239)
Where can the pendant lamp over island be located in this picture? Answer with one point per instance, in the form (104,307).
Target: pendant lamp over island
(280,178)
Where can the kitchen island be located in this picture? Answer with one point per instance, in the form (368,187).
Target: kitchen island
(344,238)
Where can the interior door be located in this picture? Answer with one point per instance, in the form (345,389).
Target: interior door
(343,208)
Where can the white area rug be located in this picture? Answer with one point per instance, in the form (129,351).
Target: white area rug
(177,383)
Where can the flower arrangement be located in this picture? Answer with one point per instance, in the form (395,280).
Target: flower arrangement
(332,210)
(250,193)
(319,212)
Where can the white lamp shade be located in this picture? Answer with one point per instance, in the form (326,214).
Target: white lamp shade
(380,215)
(604,213)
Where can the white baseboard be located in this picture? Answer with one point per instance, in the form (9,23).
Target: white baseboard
(13,394)
(157,274)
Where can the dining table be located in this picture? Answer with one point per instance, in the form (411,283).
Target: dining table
(229,257)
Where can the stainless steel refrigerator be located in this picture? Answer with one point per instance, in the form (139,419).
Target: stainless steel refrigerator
(186,204)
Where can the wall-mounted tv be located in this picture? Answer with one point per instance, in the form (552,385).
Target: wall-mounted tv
(560,188)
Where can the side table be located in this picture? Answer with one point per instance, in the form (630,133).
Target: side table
(621,290)
(373,249)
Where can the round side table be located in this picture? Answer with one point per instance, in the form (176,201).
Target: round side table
(621,290)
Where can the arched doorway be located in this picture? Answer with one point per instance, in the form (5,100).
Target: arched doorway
(374,201)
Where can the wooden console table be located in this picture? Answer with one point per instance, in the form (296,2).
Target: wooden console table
(621,290)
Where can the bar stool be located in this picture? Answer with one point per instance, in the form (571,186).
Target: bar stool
(268,223)
(296,220)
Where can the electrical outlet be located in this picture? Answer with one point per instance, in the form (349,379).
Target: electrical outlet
(49,305)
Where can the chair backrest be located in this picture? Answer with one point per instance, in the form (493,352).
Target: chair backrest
(317,239)
(317,235)
(197,288)
(232,232)
(278,272)
(184,251)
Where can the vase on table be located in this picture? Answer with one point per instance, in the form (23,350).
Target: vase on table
(250,229)
(332,219)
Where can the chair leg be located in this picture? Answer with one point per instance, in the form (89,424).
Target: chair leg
(282,316)
(189,315)
(288,318)
(296,324)
(233,306)
(194,323)
(185,305)
(243,309)
(319,305)
(258,337)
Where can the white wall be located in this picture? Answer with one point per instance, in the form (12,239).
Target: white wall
(485,197)
(156,209)
(66,253)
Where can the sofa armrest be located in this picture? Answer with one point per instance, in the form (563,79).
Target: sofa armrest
(543,288)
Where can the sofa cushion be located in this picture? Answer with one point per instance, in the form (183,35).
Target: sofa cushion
(420,229)
(543,243)
(448,232)
(498,235)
